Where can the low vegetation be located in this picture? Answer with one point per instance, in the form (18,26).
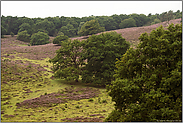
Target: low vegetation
(59,39)
(39,38)
(23,36)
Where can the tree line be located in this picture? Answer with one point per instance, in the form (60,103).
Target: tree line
(72,26)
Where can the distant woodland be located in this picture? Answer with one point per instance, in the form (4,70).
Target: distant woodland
(71,26)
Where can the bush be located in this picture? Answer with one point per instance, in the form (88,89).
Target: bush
(59,39)
(23,36)
(90,100)
(127,23)
(148,80)
(77,106)
(12,34)
(101,53)
(42,30)
(60,33)
(156,21)
(39,38)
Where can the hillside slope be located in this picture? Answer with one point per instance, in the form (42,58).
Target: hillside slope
(132,34)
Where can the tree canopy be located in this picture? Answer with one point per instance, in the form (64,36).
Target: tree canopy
(148,80)
(101,53)
(91,27)
(26,26)
(23,36)
(127,23)
(68,61)
(59,39)
(52,25)
(39,38)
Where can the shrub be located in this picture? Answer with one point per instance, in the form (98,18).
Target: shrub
(77,106)
(42,30)
(39,38)
(60,33)
(23,36)
(12,34)
(59,39)
(90,100)
(148,80)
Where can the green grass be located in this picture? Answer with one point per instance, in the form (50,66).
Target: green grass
(71,109)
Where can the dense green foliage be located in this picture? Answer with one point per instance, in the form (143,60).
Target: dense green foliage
(39,38)
(80,25)
(71,26)
(101,53)
(46,26)
(148,80)
(156,21)
(3,31)
(93,59)
(91,27)
(60,33)
(140,19)
(26,26)
(23,36)
(68,30)
(127,23)
(68,61)
(59,39)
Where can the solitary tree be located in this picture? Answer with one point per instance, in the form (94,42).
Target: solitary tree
(68,61)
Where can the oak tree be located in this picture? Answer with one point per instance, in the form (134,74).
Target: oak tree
(148,80)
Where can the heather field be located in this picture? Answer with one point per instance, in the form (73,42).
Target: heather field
(29,92)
